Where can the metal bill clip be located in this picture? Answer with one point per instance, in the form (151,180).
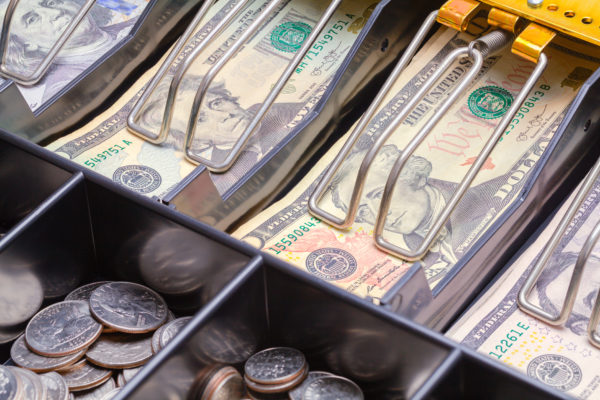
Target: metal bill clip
(232,155)
(528,307)
(32,77)
(478,50)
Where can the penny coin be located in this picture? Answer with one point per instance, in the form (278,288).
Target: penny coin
(225,384)
(84,292)
(84,375)
(172,329)
(62,328)
(118,350)
(129,373)
(128,307)
(156,339)
(111,394)
(275,366)
(32,385)
(25,358)
(97,393)
(21,296)
(56,387)
(332,388)
(296,393)
(9,388)
(278,388)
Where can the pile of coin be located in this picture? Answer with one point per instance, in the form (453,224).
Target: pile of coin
(90,344)
(273,374)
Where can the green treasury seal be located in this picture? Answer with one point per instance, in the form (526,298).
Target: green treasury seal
(289,36)
(490,102)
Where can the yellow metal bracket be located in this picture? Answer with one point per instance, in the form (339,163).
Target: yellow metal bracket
(532,41)
(504,20)
(456,14)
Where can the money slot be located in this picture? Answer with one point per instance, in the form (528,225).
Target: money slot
(419,257)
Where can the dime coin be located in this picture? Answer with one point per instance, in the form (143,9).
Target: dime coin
(56,387)
(9,388)
(84,376)
(332,388)
(84,292)
(156,339)
(118,350)
(32,385)
(296,394)
(275,366)
(25,358)
(62,328)
(278,388)
(128,307)
(129,373)
(111,394)
(172,329)
(96,393)
(21,296)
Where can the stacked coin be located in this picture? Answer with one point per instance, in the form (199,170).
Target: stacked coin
(91,344)
(278,373)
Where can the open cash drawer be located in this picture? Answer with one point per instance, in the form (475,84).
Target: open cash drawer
(87,228)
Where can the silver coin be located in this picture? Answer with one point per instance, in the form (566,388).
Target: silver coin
(172,329)
(56,387)
(225,341)
(277,388)
(332,388)
(21,296)
(129,373)
(156,339)
(62,328)
(128,307)
(84,375)
(97,393)
(120,379)
(9,386)
(31,383)
(275,366)
(296,394)
(84,292)
(226,384)
(26,358)
(118,350)
(9,334)
(111,394)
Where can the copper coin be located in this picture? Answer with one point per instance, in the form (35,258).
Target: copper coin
(172,329)
(118,350)
(296,393)
(21,296)
(84,292)
(62,328)
(225,384)
(32,384)
(275,366)
(84,375)
(128,307)
(25,358)
(96,393)
(278,388)
(332,388)
(56,387)
(9,385)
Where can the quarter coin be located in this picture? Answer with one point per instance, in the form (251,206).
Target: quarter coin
(9,388)
(332,388)
(84,292)
(97,393)
(129,373)
(128,307)
(120,379)
(118,350)
(275,366)
(172,329)
(84,376)
(278,388)
(296,393)
(111,394)
(32,385)
(56,387)
(61,329)
(23,357)
(21,296)
(156,339)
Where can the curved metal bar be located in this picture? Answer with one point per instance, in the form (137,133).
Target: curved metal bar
(316,196)
(235,152)
(134,115)
(522,300)
(583,258)
(37,74)
(441,220)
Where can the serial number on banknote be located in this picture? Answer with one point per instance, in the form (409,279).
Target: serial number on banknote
(511,339)
(106,154)
(527,106)
(288,241)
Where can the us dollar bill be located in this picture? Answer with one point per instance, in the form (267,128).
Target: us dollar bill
(349,258)
(37,25)
(106,145)
(561,357)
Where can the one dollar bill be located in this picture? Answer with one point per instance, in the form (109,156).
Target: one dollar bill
(349,258)
(560,356)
